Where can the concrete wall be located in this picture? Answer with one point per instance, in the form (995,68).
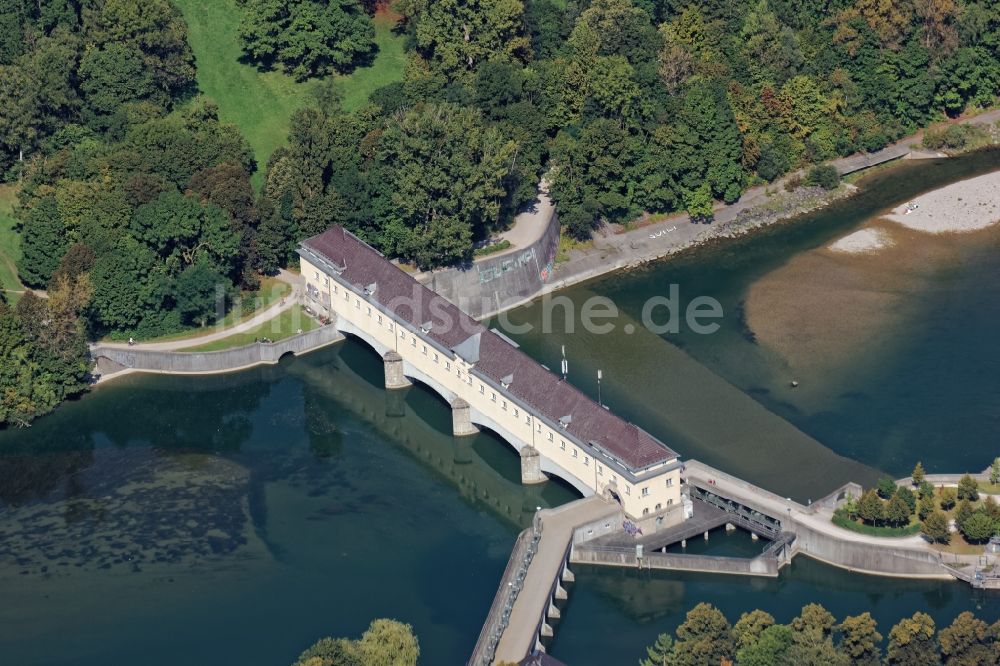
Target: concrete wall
(501,281)
(876,558)
(219,361)
(758,566)
(490,405)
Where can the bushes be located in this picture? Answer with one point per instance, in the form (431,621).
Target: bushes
(842,519)
(955,137)
(825,176)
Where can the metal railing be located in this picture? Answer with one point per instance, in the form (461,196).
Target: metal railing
(755,521)
(511,584)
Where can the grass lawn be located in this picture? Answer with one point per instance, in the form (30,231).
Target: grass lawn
(271,289)
(283,326)
(10,241)
(261,103)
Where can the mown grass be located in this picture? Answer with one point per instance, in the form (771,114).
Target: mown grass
(249,304)
(10,241)
(878,531)
(261,103)
(285,325)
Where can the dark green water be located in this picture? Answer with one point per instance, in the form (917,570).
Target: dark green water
(234,520)
(932,395)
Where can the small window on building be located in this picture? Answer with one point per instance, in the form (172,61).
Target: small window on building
(493,397)
(550,436)
(326,282)
(447,366)
(435,358)
(658,506)
(482,390)
(347,296)
(527,419)
(369,312)
(562,445)
(357,303)
(424,349)
(670,482)
(380,320)
(614,478)
(628,490)
(586,461)
(504,405)
(600,470)
(575,452)
(413,342)
(336,289)
(645,511)
(539,426)
(669,502)
(317,274)
(517,413)
(645,491)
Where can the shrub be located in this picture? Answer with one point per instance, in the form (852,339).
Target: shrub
(886,487)
(825,175)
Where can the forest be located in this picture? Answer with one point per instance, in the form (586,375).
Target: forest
(149,213)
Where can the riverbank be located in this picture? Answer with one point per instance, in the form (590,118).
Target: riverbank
(759,207)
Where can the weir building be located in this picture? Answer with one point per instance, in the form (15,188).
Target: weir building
(488,381)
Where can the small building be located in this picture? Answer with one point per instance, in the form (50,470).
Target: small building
(488,381)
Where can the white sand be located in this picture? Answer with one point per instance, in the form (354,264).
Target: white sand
(969,205)
(865,241)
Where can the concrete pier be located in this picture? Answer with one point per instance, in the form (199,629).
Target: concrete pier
(394,377)
(531,466)
(461,421)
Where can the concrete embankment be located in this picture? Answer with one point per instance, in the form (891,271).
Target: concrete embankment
(113,361)
(624,557)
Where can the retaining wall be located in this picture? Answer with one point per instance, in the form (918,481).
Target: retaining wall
(179,362)
(495,283)
(757,566)
(881,559)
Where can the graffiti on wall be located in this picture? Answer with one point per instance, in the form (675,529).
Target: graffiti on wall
(497,269)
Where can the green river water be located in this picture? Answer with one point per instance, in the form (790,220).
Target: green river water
(236,519)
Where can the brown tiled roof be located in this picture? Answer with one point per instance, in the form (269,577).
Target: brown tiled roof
(394,288)
(500,361)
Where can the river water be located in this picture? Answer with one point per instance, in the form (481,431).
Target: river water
(237,519)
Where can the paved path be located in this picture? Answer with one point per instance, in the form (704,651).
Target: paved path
(558,526)
(530,225)
(818,519)
(258,319)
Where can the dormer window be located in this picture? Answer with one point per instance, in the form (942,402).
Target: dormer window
(564,421)
(506,381)
(426,326)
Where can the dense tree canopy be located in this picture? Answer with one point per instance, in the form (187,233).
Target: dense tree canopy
(307,37)
(814,637)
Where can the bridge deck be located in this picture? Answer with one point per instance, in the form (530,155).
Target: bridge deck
(705,519)
(546,566)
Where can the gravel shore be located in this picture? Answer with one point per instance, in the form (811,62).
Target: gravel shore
(969,205)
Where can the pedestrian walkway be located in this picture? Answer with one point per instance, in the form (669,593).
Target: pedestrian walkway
(258,319)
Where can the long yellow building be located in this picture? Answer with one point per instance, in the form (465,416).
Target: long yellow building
(488,381)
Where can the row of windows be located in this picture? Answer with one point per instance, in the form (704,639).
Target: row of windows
(493,398)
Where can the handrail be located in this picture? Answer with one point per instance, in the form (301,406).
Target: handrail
(525,547)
